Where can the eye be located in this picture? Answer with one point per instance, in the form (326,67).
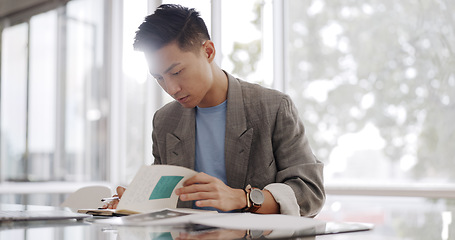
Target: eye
(158,78)
(177,73)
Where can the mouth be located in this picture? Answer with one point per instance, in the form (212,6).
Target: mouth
(182,99)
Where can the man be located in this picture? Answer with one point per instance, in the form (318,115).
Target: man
(246,141)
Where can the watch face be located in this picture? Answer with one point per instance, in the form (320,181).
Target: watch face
(256,234)
(256,196)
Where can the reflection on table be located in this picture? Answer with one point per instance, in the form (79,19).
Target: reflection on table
(393,218)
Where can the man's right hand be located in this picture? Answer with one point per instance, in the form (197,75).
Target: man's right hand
(113,204)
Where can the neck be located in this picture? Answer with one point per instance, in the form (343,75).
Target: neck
(219,89)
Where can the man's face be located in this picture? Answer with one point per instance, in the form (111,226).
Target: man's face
(185,76)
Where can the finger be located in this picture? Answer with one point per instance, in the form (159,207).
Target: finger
(120,190)
(195,188)
(199,178)
(206,203)
(112,204)
(199,196)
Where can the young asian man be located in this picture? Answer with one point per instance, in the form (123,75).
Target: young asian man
(247,141)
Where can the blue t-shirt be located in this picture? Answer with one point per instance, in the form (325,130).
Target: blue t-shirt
(210,132)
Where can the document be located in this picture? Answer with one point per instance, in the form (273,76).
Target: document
(271,225)
(258,221)
(163,217)
(170,222)
(152,189)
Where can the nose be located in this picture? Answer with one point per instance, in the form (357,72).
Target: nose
(172,86)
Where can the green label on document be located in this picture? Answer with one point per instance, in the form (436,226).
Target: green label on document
(164,187)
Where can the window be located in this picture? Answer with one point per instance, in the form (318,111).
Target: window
(138,95)
(374,83)
(85,92)
(14,101)
(42,97)
(54,104)
(246,38)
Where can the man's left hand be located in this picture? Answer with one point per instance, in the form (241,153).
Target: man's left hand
(210,191)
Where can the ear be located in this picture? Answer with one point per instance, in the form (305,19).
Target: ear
(209,50)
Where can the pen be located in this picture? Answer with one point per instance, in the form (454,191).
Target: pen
(109,199)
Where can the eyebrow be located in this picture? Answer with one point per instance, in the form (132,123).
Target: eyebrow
(171,67)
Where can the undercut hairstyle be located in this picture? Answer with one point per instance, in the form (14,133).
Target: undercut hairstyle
(171,23)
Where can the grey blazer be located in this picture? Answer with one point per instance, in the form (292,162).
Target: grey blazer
(265,143)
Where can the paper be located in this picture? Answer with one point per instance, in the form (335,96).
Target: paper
(153,188)
(164,217)
(258,221)
(230,226)
(240,221)
(146,233)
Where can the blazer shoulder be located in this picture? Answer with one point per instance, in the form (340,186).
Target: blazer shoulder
(169,111)
(256,94)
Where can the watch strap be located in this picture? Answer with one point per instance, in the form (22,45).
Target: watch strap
(248,202)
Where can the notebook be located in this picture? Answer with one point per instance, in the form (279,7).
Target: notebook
(39,215)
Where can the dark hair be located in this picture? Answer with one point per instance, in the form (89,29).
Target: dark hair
(171,22)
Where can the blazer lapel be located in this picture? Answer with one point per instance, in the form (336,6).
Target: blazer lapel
(238,137)
(180,145)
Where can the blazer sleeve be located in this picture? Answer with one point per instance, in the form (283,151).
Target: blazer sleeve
(297,166)
(155,149)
